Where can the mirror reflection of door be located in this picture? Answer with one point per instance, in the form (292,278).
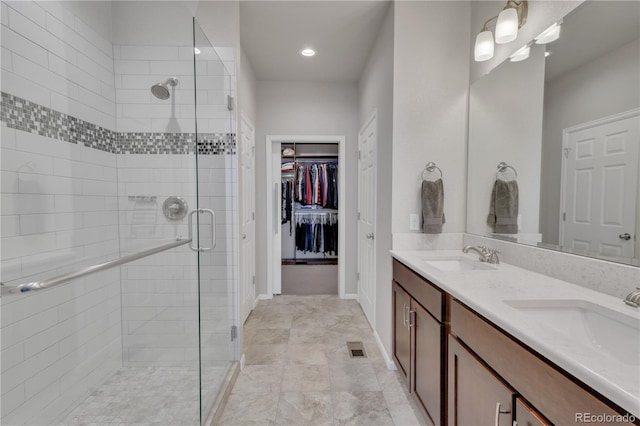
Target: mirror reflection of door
(599,190)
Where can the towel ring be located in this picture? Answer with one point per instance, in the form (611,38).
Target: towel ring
(430,167)
(504,166)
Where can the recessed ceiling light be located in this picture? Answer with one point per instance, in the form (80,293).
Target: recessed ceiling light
(308,52)
(196,50)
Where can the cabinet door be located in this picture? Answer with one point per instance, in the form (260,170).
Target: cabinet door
(427,368)
(475,395)
(527,415)
(401,333)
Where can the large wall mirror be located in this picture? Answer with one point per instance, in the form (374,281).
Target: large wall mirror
(558,135)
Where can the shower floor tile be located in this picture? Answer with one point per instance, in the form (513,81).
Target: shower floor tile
(148,396)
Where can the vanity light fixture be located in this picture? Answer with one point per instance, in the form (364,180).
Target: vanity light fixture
(550,34)
(507,23)
(521,54)
(308,52)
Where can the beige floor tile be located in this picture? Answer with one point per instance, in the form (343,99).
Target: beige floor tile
(266,354)
(305,408)
(305,378)
(356,377)
(360,408)
(259,379)
(250,409)
(307,354)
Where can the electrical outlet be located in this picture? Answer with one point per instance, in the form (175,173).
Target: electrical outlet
(414,222)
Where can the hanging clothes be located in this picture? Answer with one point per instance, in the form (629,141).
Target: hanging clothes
(317,184)
(317,232)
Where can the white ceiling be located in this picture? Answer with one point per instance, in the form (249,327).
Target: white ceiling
(272,34)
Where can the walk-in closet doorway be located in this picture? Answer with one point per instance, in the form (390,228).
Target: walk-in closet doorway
(274,206)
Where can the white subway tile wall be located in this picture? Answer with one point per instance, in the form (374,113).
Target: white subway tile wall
(137,68)
(81,133)
(57,61)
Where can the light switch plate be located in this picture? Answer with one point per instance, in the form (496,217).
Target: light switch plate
(414,222)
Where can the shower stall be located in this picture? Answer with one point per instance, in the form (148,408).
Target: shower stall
(118,250)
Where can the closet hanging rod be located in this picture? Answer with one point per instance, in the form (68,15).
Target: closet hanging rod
(318,211)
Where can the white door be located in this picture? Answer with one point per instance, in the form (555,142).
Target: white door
(247,218)
(601,177)
(367,141)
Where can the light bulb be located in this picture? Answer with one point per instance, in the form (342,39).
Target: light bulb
(307,52)
(507,26)
(550,34)
(483,50)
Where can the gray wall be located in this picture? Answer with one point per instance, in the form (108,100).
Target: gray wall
(376,93)
(603,87)
(505,124)
(307,108)
(430,91)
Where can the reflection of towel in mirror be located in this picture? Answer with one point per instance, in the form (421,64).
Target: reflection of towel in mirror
(432,206)
(503,209)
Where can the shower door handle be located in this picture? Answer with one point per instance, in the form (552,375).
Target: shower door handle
(190,225)
(213,230)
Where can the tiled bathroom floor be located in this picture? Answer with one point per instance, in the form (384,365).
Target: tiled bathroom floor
(298,371)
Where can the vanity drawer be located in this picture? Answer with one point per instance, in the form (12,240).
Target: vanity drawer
(425,293)
(555,394)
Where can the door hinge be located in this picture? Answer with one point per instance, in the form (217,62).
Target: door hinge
(564,216)
(358,215)
(359,155)
(566,152)
(253,215)
(230,102)
(253,280)
(234,332)
(358,276)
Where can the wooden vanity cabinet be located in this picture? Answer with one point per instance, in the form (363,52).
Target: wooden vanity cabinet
(526,415)
(401,331)
(549,389)
(476,395)
(419,339)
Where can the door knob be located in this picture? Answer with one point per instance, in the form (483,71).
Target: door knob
(369,236)
(626,236)
(244,236)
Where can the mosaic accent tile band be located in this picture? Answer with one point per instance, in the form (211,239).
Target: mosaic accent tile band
(21,114)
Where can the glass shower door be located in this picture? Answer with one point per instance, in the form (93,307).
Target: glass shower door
(216,200)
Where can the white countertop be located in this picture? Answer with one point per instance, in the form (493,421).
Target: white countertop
(485,290)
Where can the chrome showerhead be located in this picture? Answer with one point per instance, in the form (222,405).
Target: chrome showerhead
(161,91)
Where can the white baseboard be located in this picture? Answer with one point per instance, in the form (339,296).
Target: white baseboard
(390,364)
(350,296)
(242,362)
(263,297)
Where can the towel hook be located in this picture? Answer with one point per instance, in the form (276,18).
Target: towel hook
(502,166)
(430,167)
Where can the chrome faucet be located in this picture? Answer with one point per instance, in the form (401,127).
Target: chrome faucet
(488,255)
(633,298)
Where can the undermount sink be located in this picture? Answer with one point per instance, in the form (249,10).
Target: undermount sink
(455,263)
(588,324)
